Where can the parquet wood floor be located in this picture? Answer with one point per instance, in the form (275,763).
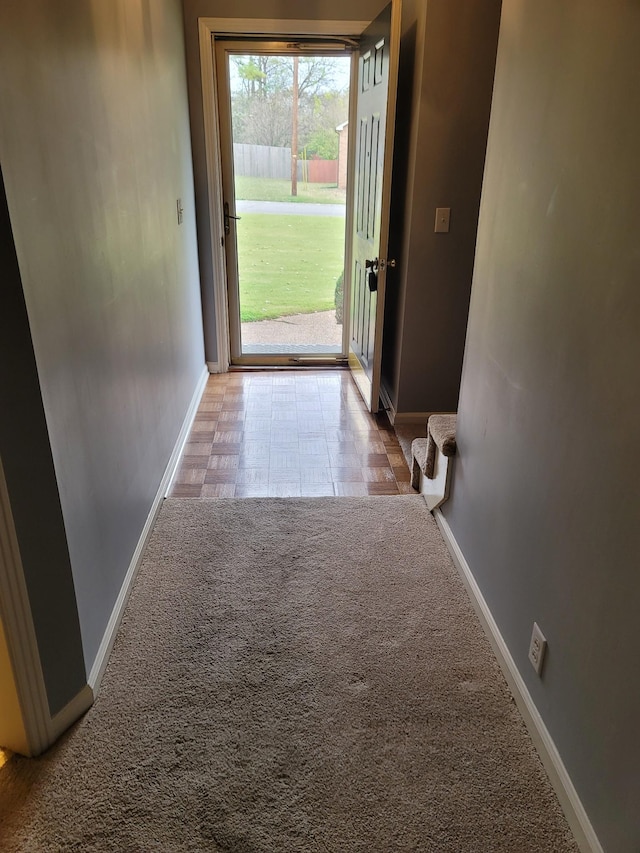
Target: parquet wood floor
(288,434)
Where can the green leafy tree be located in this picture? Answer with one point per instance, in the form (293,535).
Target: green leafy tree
(323,144)
(262,101)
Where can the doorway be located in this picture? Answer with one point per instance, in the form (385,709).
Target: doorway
(374,48)
(284,125)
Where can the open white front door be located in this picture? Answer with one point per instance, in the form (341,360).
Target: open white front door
(376,101)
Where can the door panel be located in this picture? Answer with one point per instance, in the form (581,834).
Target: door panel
(376,97)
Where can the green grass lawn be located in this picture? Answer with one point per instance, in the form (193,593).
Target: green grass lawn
(288,264)
(270,189)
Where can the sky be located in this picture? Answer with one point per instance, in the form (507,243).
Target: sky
(341,77)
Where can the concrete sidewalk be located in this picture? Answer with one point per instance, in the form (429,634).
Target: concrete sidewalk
(318,329)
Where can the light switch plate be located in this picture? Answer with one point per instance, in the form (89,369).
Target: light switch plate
(442,220)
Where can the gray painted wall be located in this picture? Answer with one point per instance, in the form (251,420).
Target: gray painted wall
(545,502)
(332,10)
(95,150)
(446,79)
(35,503)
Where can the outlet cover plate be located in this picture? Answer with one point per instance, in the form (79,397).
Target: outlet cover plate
(537,648)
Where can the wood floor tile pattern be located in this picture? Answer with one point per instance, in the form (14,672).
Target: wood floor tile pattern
(288,434)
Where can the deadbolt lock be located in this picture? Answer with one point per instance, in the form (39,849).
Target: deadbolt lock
(380,264)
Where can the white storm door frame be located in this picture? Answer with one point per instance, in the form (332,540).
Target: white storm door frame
(208,28)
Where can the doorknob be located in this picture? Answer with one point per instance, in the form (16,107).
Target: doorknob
(227,217)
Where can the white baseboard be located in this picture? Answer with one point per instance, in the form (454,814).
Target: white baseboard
(108,639)
(214,367)
(172,465)
(396,417)
(575,813)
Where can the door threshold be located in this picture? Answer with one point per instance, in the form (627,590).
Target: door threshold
(256,368)
(273,360)
(318,359)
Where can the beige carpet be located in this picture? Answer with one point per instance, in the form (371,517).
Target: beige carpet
(292,675)
(406,433)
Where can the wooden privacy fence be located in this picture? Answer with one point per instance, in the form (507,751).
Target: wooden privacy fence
(268,161)
(261,161)
(319,171)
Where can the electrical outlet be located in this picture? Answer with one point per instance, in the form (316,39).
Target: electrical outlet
(537,648)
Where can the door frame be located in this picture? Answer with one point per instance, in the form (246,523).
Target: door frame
(208,28)
(223,49)
(28,727)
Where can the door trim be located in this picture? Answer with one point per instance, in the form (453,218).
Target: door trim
(208,28)
(223,50)
(31,728)
(21,639)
